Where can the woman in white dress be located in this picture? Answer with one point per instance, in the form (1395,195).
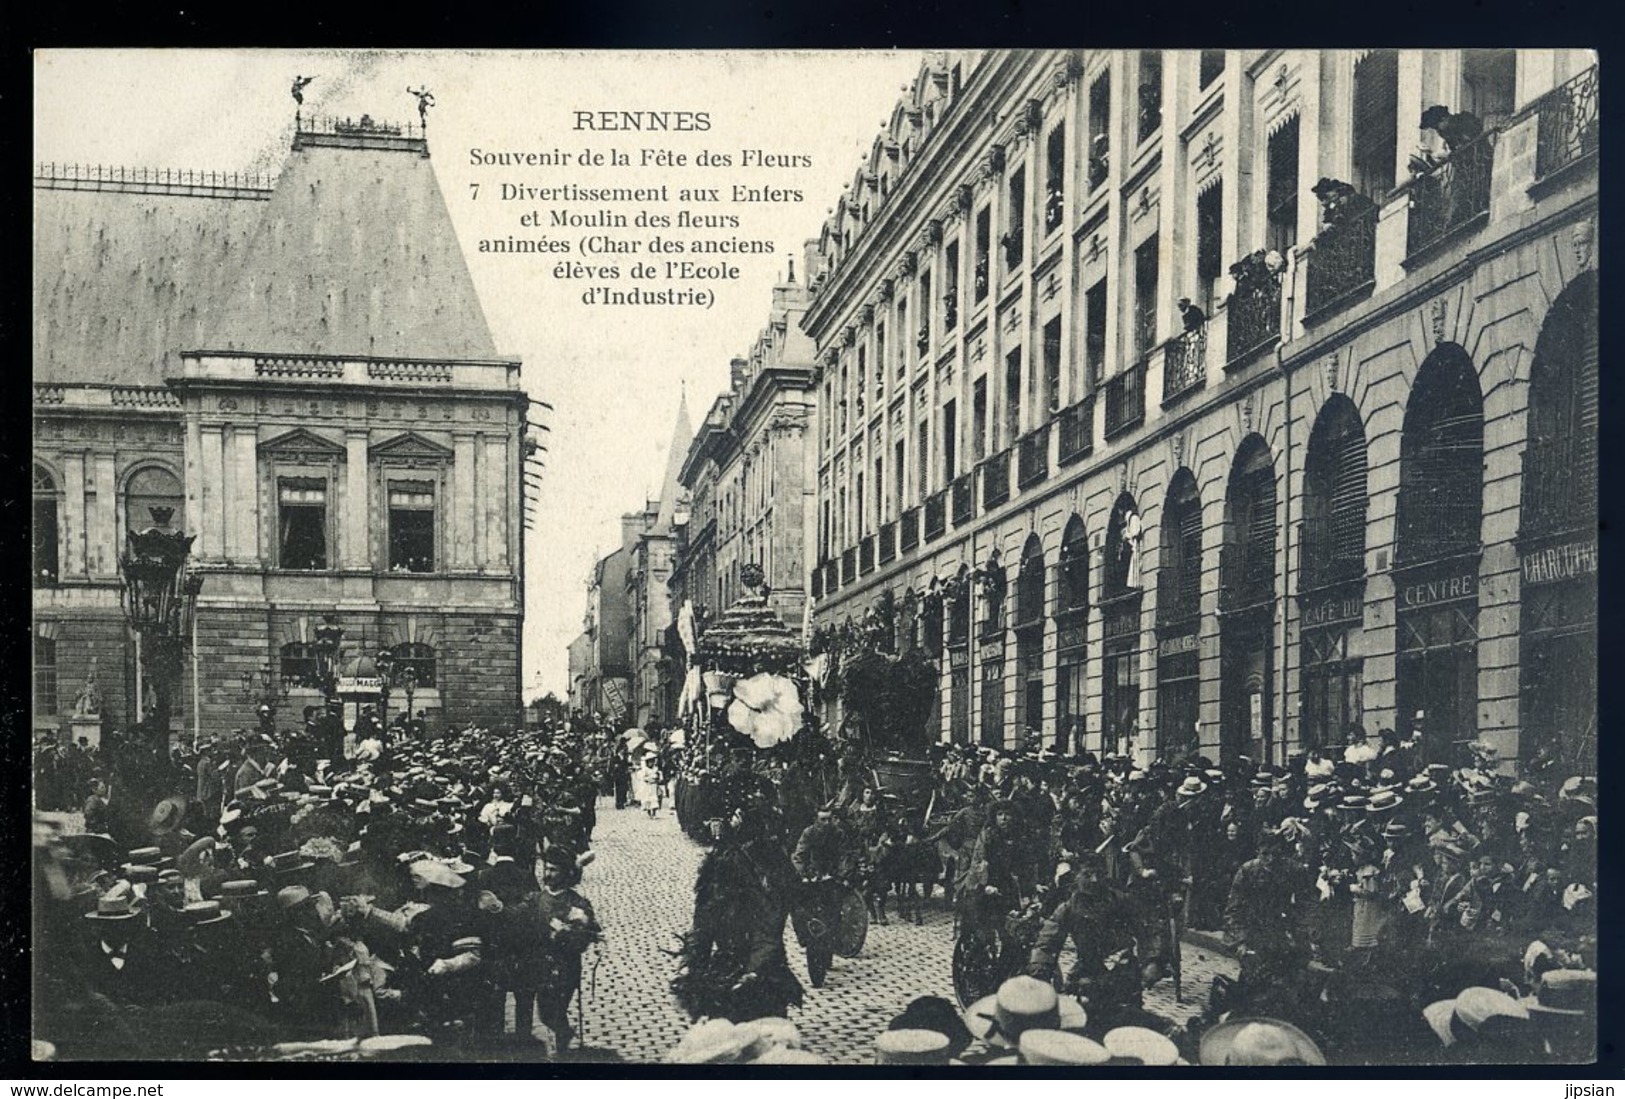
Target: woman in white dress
(646,784)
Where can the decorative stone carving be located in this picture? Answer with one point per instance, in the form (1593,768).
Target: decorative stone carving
(1437,309)
(1178,443)
(1583,237)
(1331,372)
(1247,412)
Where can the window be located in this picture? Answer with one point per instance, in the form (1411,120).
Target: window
(1029,626)
(1489,85)
(899,460)
(978,420)
(299,666)
(411,526)
(417,657)
(1282,188)
(880,489)
(1560,463)
(153,497)
(1335,496)
(1055,178)
(863,370)
(1012,397)
(1209,244)
(1376,123)
(984,231)
(1149,118)
(903,355)
(1179,570)
(862,515)
(44,676)
(1441,460)
(1209,68)
(923,340)
(1094,335)
(923,463)
(950,440)
(1100,108)
(880,355)
(950,297)
(1145,297)
(47,538)
(1248,562)
(1017,220)
(829,411)
(302,526)
(846,390)
(1052,367)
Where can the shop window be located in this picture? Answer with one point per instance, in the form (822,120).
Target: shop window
(417,657)
(44,676)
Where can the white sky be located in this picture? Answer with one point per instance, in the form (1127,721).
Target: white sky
(613,375)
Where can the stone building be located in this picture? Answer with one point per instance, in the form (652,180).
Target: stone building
(651,538)
(299,373)
(1205,399)
(751,473)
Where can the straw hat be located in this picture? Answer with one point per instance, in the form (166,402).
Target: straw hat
(1140,1044)
(1021,1004)
(1259,1042)
(1060,1047)
(911,1047)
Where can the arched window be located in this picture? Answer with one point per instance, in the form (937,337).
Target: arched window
(1030,636)
(1179,565)
(1120,627)
(1071,629)
(1247,570)
(908,634)
(959,661)
(1441,460)
(1334,500)
(47,537)
(1557,539)
(1179,610)
(992,581)
(417,657)
(153,498)
(1247,564)
(299,666)
(931,620)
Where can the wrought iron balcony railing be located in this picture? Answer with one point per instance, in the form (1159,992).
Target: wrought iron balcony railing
(963,492)
(1077,431)
(1032,459)
(996,480)
(1184,364)
(1452,194)
(1570,125)
(1125,400)
(1254,309)
(1344,262)
(936,515)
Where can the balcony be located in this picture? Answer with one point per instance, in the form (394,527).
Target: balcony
(1184,365)
(818,582)
(849,566)
(1077,431)
(888,542)
(963,494)
(996,480)
(910,522)
(866,555)
(1569,126)
(1032,458)
(1125,400)
(1343,265)
(832,577)
(1254,310)
(1014,241)
(936,515)
(1451,195)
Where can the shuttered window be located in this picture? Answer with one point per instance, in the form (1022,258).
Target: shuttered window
(1179,595)
(1250,545)
(1376,122)
(1560,466)
(1441,460)
(1335,497)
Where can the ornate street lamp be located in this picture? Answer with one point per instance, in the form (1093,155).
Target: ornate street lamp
(159,597)
(385,660)
(328,645)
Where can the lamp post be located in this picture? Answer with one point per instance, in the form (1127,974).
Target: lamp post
(329,645)
(385,660)
(159,597)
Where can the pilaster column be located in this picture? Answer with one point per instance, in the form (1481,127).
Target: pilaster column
(73,525)
(211,518)
(354,553)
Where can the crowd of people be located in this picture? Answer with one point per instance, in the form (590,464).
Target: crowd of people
(277,894)
(1363,890)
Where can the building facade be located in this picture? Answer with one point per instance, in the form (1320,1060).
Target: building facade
(751,472)
(1204,400)
(652,538)
(299,373)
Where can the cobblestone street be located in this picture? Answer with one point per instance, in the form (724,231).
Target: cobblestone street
(642,887)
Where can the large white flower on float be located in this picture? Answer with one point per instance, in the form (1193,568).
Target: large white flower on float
(766,708)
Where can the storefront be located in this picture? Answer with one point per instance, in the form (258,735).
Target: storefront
(1120,671)
(1247,606)
(1071,636)
(990,660)
(1558,681)
(1179,690)
(1437,666)
(1332,680)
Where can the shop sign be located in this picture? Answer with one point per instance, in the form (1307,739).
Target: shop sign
(1429,593)
(991,652)
(1173,646)
(1122,623)
(360,685)
(1560,563)
(958,658)
(1327,612)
